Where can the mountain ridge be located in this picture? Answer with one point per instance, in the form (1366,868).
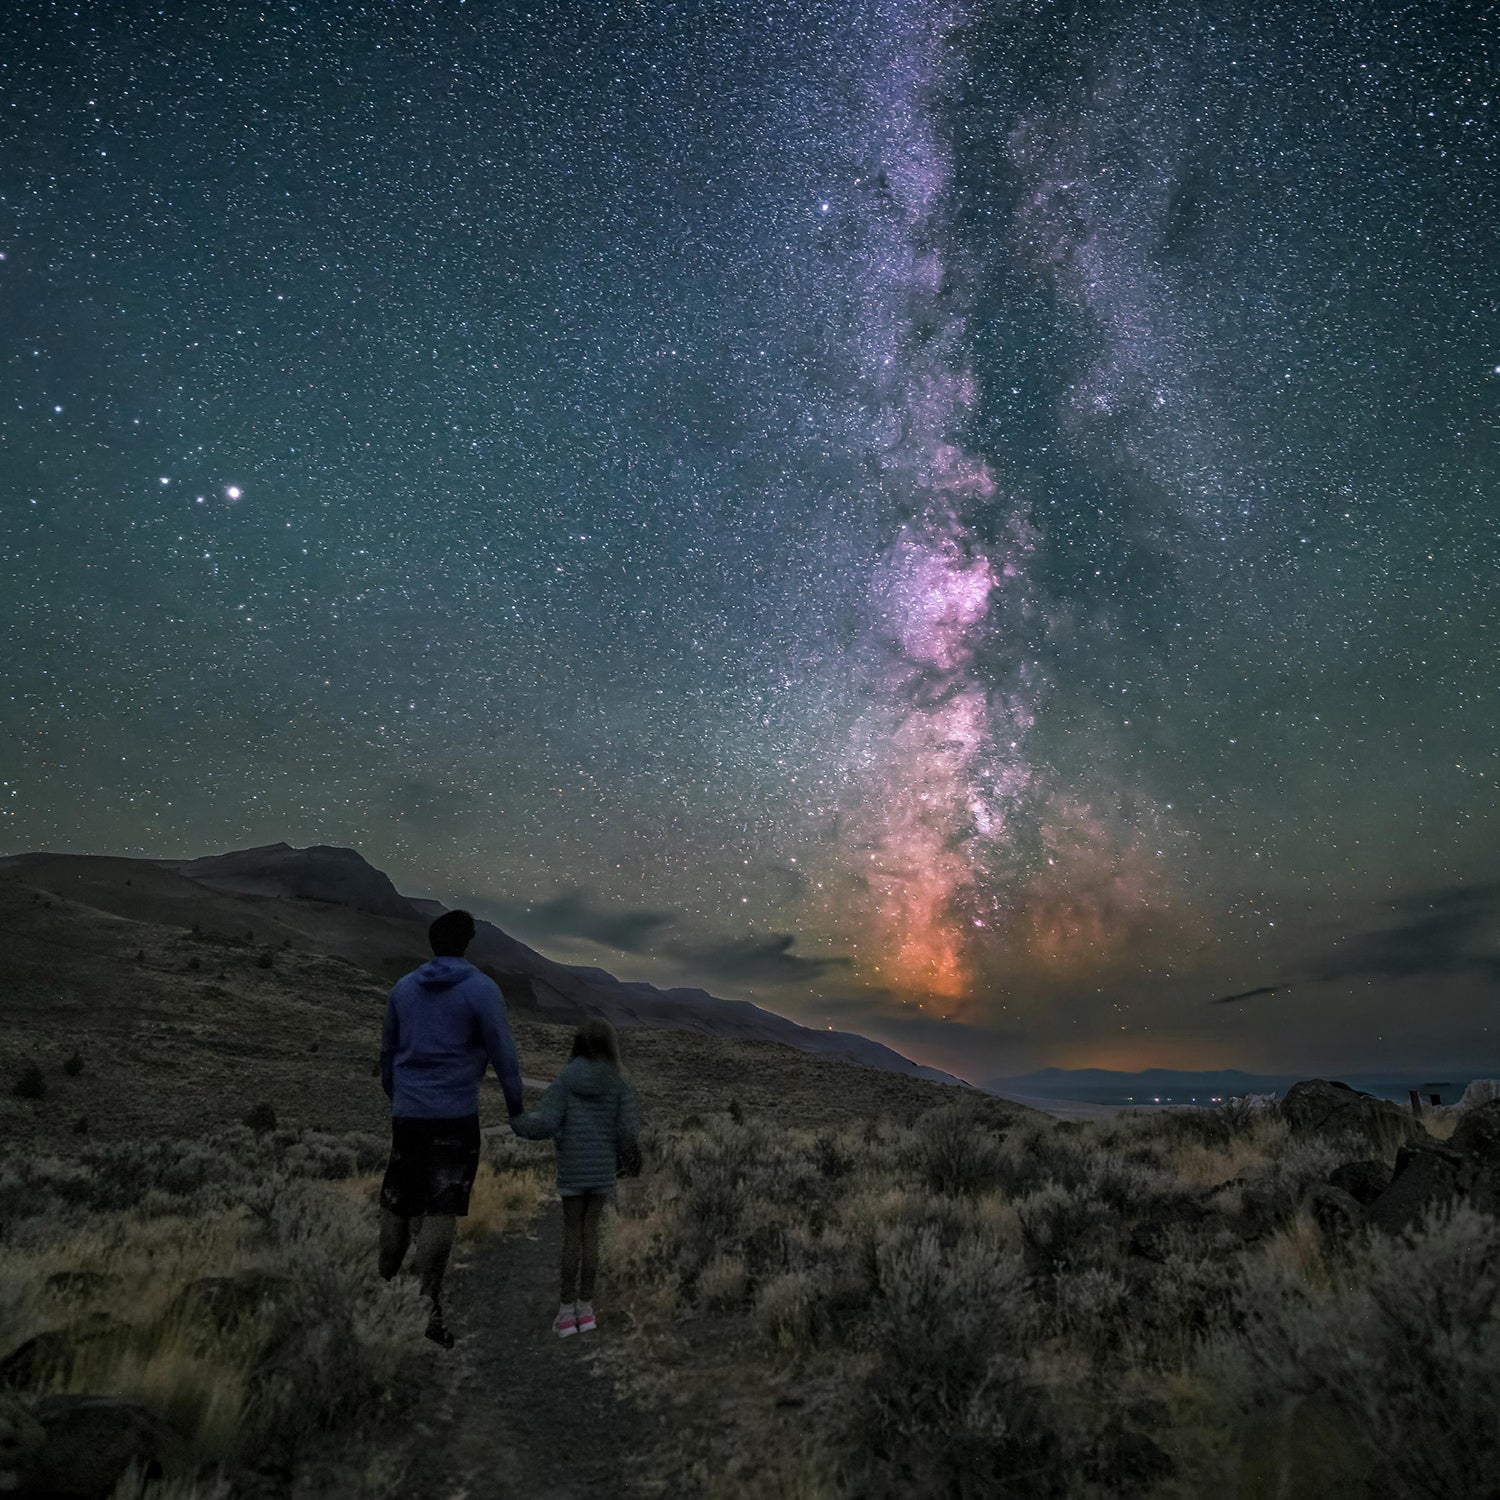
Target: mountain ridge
(329,899)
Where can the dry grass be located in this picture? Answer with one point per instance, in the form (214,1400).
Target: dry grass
(504,1200)
(228,1285)
(1195,1164)
(971,1309)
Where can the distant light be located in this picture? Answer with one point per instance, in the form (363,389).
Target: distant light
(823,209)
(234,492)
(58,408)
(165,479)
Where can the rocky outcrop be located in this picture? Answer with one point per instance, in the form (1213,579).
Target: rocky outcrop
(1425,1177)
(1478,1132)
(1364,1181)
(1466,1169)
(1320,1106)
(81,1447)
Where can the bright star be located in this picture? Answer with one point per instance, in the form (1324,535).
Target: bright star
(233,491)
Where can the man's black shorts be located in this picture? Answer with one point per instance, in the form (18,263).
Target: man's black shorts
(432,1166)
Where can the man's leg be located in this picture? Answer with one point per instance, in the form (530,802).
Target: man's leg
(395,1237)
(434,1246)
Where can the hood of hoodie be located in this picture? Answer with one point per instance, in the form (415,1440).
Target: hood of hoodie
(444,973)
(589,1077)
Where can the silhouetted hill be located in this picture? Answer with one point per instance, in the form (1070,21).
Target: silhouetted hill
(332,901)
(318,873)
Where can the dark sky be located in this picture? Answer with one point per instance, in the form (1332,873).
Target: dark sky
(976,526)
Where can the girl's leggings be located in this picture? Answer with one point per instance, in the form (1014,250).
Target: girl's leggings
(581,1214)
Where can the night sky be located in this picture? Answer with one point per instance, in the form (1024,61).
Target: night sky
(978,526)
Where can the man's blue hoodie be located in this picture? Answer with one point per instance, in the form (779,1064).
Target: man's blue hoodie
(443,1023)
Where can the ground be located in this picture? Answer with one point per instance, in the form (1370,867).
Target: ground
(532,1414)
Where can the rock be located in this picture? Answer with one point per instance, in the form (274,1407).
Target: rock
(80,1447)
(1425,1177)
(1364,1181)
(226,1300)
(1338,1214)
(53,1352)
(1478,1132)
(1166,1226)
(1318,1106)
(1480,1091)
(78,1283)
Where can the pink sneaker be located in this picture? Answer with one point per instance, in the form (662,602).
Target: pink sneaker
(585,1315)
(565,1324)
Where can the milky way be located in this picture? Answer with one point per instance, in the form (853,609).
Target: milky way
(971,523)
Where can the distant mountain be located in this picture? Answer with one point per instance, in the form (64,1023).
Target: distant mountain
(332,901)
(1171,1086)
(319,873)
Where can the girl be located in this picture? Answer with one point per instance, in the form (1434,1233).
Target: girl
(593,1113)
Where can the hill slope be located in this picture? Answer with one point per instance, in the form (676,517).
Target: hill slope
(332,901)
(181,1031)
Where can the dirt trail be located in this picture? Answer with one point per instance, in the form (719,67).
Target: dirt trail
(535,1415)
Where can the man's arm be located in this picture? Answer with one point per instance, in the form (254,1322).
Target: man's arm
(390,1039)
(501,1046)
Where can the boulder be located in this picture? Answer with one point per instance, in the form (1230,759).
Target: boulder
(1480,1091)
(1337,1214)
(227,1300)
(1425,1177)
(51,1354)
(1320,1106)
(81,1447)
(1364,1181)
(1167,1226)
(1478,1132)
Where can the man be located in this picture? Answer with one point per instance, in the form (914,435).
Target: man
(443,1023)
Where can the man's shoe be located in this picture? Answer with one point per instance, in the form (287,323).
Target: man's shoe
(585,1315)
(565,1324)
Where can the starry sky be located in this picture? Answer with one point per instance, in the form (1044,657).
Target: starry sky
(972,524)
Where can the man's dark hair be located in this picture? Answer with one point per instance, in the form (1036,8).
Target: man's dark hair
(450,934)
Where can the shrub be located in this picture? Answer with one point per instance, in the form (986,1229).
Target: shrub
(73,1065)
(722,1283)
(952,1405)
(31,1084)
(1391,1373)
(260,1118)
(265,961)
(956,1151)
(788,1311)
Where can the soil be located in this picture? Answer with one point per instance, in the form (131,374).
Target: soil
(531,1414)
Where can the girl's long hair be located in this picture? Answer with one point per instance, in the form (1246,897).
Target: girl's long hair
(597,1039)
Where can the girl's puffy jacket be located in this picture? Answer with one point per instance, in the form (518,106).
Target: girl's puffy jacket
(592,1111)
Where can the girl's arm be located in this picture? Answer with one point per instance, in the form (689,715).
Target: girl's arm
(545,1122)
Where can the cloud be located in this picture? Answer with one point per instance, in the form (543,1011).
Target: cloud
(578,913)
(1442,931)
(1262,989)
(1449,931)
(754,960)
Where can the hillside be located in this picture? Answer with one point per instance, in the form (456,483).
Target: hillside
(179,1031)
(331,901)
